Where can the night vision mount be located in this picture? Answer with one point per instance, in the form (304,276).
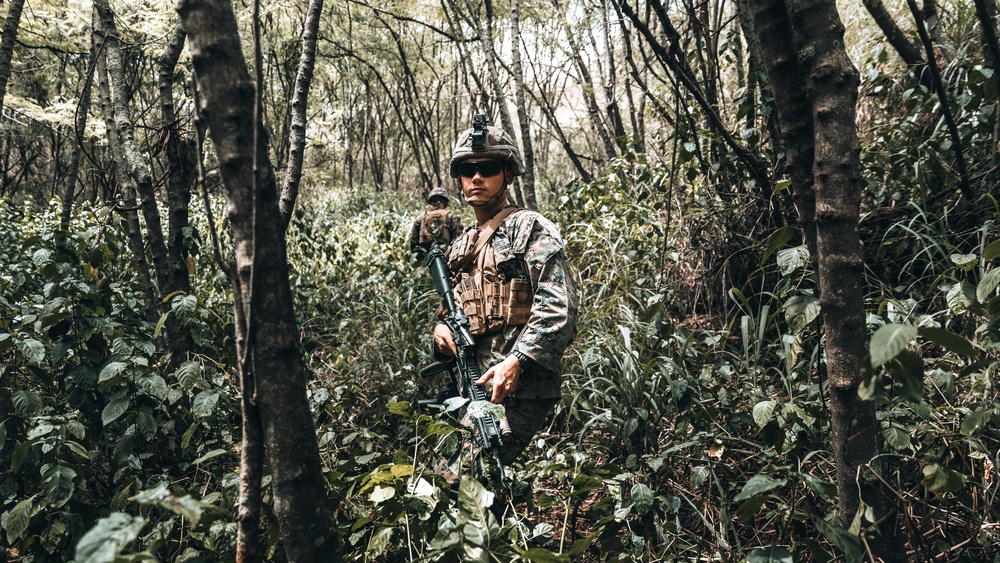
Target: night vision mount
(480,122)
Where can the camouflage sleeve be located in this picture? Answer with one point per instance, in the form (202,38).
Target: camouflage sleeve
(454,225)
(552,324)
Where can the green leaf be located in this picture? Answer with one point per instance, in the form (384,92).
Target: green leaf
(113,369)
(541,555)
(847,542)
(32,350)
(801,310)
(184,307)
(961,296)
(104,542)
(401,408)
(210,455)
(948,340)
(145,422)
(773,554)
(940,479)
(897,437)
(908,370)
(758,485)
(965,261)
(823,488)
(778,238)
(117,407)
(762,412)
(16,520)
(642,498)
(381,494)
(987,285)
(991,251)
(976,420)
(25,403)
(791,259)
(204,403)
(57,482)
(154,385)
(890,340)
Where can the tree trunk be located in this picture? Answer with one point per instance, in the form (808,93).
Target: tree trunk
(7,40)
(805,57)
(297,134)
(905,48)
(268,332)
(127,205)
(79,131)
(956,138)
(527,152)
(135,175)
(180,155)
(986,12)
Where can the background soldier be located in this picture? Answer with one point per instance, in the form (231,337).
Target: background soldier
(437,225)
(511,278)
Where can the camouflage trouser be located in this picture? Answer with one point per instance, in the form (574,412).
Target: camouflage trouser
(525,417)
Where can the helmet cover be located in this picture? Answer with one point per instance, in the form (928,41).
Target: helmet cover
(486,141)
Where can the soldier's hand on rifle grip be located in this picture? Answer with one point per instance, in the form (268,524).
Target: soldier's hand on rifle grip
(505,377)
(444,341)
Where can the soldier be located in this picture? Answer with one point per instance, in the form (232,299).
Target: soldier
(437,225)
(512,279)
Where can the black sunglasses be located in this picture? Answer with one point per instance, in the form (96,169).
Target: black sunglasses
(486,168)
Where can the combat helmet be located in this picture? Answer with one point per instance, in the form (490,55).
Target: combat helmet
(483,140)
(438,193)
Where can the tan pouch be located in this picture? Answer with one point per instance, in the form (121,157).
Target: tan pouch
(519,300)
(470,299)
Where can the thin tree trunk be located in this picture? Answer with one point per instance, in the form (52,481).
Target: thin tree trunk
(956,139)
(986,11)
(527,152)
(587,86)
(297,134)
(136,175)
(905,48)
(7,40)
(180,155)
(806,59)
(127,205)
(275,379)
(79,131)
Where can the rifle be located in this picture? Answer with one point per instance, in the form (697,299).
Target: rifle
(488,435)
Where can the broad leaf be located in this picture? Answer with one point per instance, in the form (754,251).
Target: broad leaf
(948,340)
(762,412)
(889,341)
(988,285)
(773,554)
(896,437)
(113,369)
(976,420)
(940,479)
(57,481)
(758,485)
(117,407)
(791,259)
(847,542)
(16,520)
(33,350)
(204,403)
(104,542)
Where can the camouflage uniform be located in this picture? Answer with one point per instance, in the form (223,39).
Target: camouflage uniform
(528,246)
(452,224)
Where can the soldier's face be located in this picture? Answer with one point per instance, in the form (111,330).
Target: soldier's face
(482,179)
